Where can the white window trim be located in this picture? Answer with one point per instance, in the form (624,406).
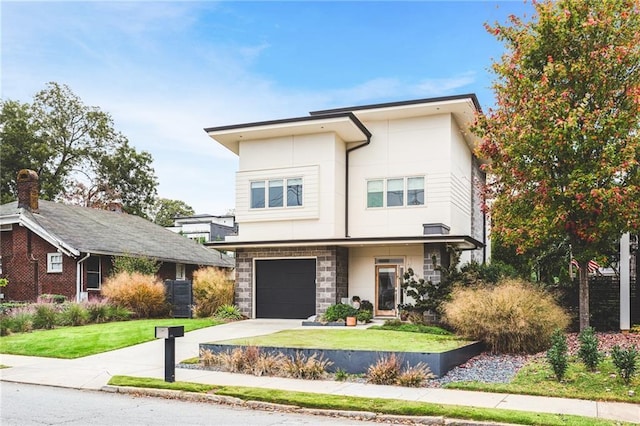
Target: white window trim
(99,272)
(405,193)
(285,193)
(181,271)
(51,263)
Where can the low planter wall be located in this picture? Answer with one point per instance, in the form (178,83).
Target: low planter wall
(358,361)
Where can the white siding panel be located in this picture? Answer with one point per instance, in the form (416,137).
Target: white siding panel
(310,204)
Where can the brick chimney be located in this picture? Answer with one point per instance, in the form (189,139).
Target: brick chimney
(28,189)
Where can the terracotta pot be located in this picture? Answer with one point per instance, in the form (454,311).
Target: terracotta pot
(351,321)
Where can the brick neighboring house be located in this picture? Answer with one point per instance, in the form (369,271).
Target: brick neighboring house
(341,202)
(53,248)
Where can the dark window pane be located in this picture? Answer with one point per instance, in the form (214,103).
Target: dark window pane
(275,193)
(257,195)
(294,192)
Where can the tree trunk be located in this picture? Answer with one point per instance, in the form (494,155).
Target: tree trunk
(583,296)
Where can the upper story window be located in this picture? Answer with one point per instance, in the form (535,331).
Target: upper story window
(271,193)
(54,262)
(395,192)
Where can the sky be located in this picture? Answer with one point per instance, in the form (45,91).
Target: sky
(165,70)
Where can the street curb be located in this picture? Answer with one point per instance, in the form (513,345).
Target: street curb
(269,406)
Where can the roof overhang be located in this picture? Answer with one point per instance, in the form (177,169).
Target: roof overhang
(462,242)
(52,239)
(344,124)
(463,108)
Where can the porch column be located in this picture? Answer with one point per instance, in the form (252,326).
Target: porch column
(625,282)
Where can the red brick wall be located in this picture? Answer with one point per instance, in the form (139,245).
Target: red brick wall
(24,264)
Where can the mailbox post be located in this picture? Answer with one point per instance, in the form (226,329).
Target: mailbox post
(169,334)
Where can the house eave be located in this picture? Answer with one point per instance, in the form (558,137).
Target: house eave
(462,242)
(344,124)
(63,247)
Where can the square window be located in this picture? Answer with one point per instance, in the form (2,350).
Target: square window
(374,193)
(54,262)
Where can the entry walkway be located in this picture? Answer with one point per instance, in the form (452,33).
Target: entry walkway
(147,360)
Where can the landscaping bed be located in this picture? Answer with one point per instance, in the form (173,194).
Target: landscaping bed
(353,352)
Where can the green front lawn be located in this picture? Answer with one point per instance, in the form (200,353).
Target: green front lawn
(76,342)
(373,340)
(377,405)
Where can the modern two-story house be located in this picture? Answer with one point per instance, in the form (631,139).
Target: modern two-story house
(341,202)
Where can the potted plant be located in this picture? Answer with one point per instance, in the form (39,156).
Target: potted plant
(340,311)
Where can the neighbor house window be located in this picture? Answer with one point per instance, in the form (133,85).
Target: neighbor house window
(54,262)
(271,193)
(395,192)
(94,275)
(180,272)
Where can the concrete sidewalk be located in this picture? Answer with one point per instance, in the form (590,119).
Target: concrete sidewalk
(147,360)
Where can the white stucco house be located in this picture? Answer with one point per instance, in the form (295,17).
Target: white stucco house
(341,202)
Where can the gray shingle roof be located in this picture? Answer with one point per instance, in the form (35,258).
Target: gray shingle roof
(110,233)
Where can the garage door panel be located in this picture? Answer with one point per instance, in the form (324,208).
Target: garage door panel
(285,288)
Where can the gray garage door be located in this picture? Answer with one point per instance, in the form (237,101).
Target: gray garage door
(285,288)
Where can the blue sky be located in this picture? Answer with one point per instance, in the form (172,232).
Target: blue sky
(165,70)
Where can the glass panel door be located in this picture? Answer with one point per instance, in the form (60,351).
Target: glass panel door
(386,290)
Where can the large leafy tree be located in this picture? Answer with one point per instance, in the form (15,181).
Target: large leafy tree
(77,152)
(167,210)
(563,140)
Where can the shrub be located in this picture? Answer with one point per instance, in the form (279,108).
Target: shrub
(364,316)
(16,320)
(141,294)
(97,310)
(415,317)
(207,358)
(211,289)
(52,298)
(339,311)
(130,264)
(365,305)
(249,360)
(588,351)
(385,371)
(625,361)
(301,367)
(415,376)
(74,314)
(512,317)
(45,316)
(341,375)
(228,312)
(557,354)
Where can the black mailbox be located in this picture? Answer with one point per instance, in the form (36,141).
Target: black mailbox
(169,332)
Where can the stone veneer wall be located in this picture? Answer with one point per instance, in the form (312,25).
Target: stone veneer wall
(331,273)
(430,274)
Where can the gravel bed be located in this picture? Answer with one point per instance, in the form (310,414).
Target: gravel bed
(486,368)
